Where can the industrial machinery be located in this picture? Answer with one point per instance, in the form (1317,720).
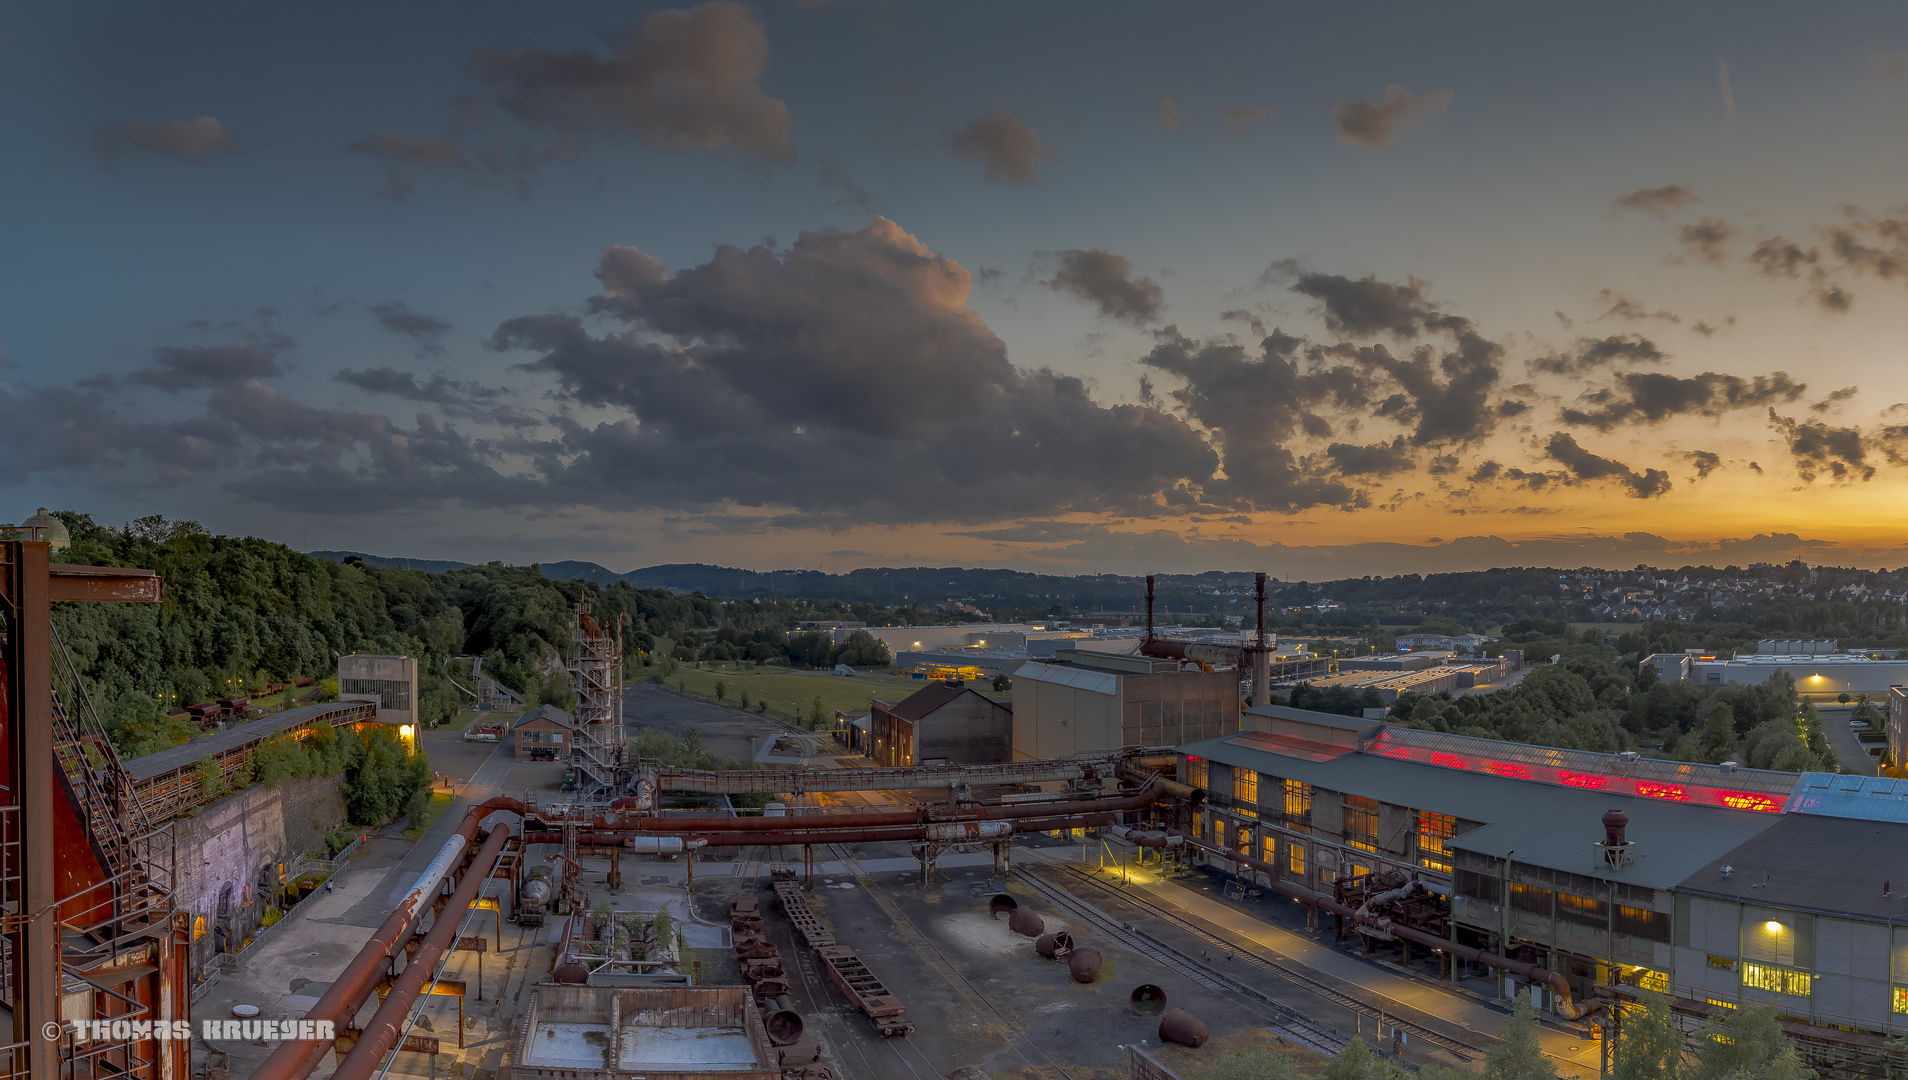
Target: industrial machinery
(533,897)
(863,989)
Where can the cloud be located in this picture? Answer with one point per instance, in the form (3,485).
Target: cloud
(835,174)
(438,390)
(1704,461)
(423,330)
(196,367)
(1244,316)
(1650,397)
(1656,200)
(1622,307)
(1705,239)
(1106,281)
(1781,257)
(1375,459)
(1840,454)
(1591,354)
(1582,465)
(683,80)
(1834,398)
(384,146)
(1373,123)
(1367,306)
(191,140)
(1005,143)
(1168,115)
(1834,298)
(1241,119)
(737,378)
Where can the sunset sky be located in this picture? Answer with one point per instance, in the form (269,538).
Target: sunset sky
(1092,287)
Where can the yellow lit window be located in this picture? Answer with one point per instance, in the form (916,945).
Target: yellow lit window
(1298,803)
(1361,823)
(1721,1004)
(1433,831)
(1199,826)
(1196,772)
(1901,999)
(1651,980)
(1270,852)
(1245,786)
(1776,980)
(1298,866)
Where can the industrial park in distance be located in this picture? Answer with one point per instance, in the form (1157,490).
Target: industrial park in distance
(854,540)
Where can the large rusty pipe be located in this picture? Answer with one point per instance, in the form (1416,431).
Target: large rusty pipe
(1566,1004)
(293,1059)
(785,834)
(387,1024)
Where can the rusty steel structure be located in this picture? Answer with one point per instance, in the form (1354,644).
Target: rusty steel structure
(594,669)
(798,782)
(85,877)
(862,987)
(171,782)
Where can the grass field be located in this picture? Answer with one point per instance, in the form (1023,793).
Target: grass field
(790,693)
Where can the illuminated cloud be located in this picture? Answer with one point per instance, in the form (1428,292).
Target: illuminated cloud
(1374,123)
(1656,200)
(1005,144)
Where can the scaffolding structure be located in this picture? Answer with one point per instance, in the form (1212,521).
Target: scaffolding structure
(594,670)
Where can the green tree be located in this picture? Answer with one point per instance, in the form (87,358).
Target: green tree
(817,714)
(1652,1045)
(742,697)
(692,744)
(1748,1045)
(1003,684)
(721,690)
(1519,1056)
(1357,1062)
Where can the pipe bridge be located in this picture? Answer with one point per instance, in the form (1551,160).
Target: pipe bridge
(885,778)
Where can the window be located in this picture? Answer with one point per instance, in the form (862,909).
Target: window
(1270,853)
(1433,831)
(1530,899)
(1722,963)
(1298,804)
(1297,853)
(1901,999)
(1196,772)
(1476,885)
(1242,842)
(1199,826)
(1643,923)
(1245,787)
(1361,822)
(1721,1004)
(1776,980)
(1586,911)
(392,693)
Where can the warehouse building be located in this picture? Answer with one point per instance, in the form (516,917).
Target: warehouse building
(943,724)
(389,681)
(1083,701)
(1728,885)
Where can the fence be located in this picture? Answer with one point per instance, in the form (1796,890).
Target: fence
(1142,1066)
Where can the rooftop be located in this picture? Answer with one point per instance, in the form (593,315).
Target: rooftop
(165,761)
(1814,863)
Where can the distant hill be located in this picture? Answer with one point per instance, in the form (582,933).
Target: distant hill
(385,562)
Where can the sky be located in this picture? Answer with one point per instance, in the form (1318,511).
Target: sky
(1072,288)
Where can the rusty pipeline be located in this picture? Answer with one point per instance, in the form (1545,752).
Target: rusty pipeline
(1180,1026)
(294,1060)
(784,1024)
(1025,923)
(1153,787)
(1146,1000)
(1055,945)
(387,1024)
(819,830)
(1566,1002)
(1084,965)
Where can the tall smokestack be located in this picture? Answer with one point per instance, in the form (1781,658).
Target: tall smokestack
(1149,607)
(1260,655)
(1258,593)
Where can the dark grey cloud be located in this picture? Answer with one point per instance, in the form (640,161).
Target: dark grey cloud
(1706,239)
(1835,397)
(1366,306)
(1704,461)
(1006,144)
(438,389)
(197,367)
(1106,281)
(1244,316)
(1656,200)
(1592,354)
(423,330)
(1444,397)
(1781,257)
(1241,119)
(1373,123)
(845,379)
(683,80)
(429,151)
(192,140)
(1839,454)
(1623,307)
(1651,397)
(1373,459)
(1582,465)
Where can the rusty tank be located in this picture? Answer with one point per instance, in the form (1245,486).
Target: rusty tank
(1055,945)
(1001,904)
(1180,1026)
(1084,965)
(1024,921)
(1147,1000)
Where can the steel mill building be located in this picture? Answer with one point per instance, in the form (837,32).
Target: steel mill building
(1717,885)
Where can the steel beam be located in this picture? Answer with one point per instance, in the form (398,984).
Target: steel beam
(103,583)
(36,956)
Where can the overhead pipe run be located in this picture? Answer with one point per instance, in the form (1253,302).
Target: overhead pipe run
(1153,787)
(1566,1003)
(296,1059)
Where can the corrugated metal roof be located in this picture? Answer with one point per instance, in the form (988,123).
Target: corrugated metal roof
(1815,863)
(1545,825)
(151,765)
(1093,682)
(1307,716)
(1846,795)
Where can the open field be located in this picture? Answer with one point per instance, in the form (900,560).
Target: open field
(790,693)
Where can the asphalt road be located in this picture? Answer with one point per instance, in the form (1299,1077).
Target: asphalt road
(1848,749)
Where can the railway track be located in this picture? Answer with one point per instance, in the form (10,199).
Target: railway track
(1464,1051)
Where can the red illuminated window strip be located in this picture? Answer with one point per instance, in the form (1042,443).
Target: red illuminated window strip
(1449,761)
(1671,792)
(1510,769)
(1391,751)
(1743,800)
(1591,781)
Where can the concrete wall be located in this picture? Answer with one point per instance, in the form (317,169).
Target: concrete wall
(222,847)
(1176,708)
(1052,720)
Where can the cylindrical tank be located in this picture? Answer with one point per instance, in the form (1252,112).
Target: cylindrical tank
(1024,921)
(784,1024)
(1001,904)
(1055,945)
(1084,965)
(1180,1026)
(570,973)
(1147,1000)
